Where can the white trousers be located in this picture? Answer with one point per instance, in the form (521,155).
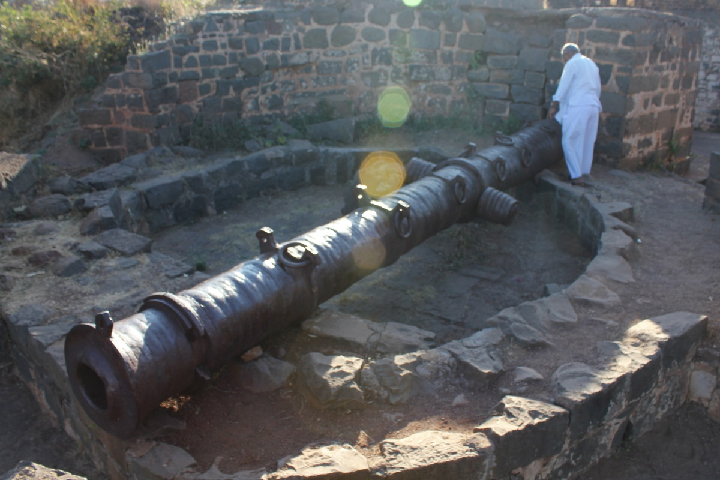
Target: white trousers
(579,131)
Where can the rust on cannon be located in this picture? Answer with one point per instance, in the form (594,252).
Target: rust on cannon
(121,371)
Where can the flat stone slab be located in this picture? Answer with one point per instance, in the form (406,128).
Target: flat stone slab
(323,461)
(124,242)
(330,381)
(435,455)
(264,374)
(610,267)
(591,291)
(523,431)
(18,172)
(162,461)
(341,326)
(34,471)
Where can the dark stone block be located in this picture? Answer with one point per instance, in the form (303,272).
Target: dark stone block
(430,19)
(272,44)
(235,43)
(476,22)
(252,66)
(124,242)
(352,15)
(115,136)
(190,62)
(161,191)
(534,59)
(229,72)
(256,27)
(625,23)
(454,19)
(152,62)
(252,45)
(502,61)
(470,41)
(511,77)
(144,121)
(136,142)
(523,431)
(190,209)
(372,34)
(88,117)
(326,15)
(275,102)
(602,36)
(316,38)
(329,67)
(614,126)
(523,94)
(424,39)
(374,79)
(381,56)
(590,404)
(114,81)
(69,266)
(210,45)
(613,103)
(541,41)
(228,197)
(342,35)
(138,80)
(526,112)
(108,156)
(605,73)
(491,90)
(291,178)
(500,42)
(379,16)
(579,21)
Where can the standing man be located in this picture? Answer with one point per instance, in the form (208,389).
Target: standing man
(578,100)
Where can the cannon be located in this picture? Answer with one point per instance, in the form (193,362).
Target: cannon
(121,371)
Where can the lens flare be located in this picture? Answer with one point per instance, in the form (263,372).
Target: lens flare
(369,256)
(382,173)
(412,3)
(393,106)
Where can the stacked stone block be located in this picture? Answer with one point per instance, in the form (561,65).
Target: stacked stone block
(228,65)
(712,185)
(649,65)
(658,5)
(707,104)
(707,107)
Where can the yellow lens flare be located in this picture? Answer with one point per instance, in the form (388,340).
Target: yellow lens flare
(412,3)
(370,255)
(382,173)
(393,107)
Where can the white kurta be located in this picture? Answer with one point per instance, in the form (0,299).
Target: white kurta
(578,94)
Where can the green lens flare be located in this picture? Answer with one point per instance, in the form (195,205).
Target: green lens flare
(393,107)
(412,3)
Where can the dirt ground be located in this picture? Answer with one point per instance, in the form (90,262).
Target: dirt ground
(678,270)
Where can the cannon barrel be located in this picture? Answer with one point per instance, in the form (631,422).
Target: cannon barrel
(121,371)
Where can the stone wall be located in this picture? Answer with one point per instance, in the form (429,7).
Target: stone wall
(648,66)
(712,185)
(658,5)
(228,66)
(707,105)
